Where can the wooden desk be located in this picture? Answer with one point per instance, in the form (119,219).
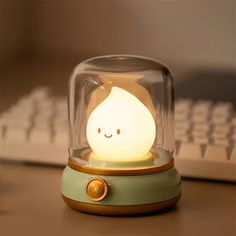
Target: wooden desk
(30,204)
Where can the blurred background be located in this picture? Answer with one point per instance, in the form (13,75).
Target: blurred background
(42,41)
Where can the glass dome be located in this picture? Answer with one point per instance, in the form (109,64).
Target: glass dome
(121,113)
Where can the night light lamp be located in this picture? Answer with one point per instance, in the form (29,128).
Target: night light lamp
(121,137)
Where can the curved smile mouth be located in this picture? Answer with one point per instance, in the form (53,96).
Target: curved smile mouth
(108,136)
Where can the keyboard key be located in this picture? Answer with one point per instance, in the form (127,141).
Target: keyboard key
(190,150)
(200,110)
(215,153)
(26,102)
(40,93)
(233,121)
(199,118)
(39,125)
(234,137)
(14,121)
(217,135)
(201,140)
(233,155)
(181,116)
(201,133)
(181,135)
(61,105)
(16,134)
(21,110)
(221,141)
(203,127)
(219,120)
(1,133)
(45,117)
(223,106)
(222,109)
(60,124)
(183,105)
(46,104)
(202,106)
(61,138)
(222,129)
(182,125)
(40,136)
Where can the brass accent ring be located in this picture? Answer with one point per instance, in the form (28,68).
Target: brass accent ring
(120,210)
(119,172)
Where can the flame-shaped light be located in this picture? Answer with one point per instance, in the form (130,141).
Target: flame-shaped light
(121,128)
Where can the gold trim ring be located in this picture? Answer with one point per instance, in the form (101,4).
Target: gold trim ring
(120,210)
(119,172)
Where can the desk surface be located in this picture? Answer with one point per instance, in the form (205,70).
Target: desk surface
(30,203)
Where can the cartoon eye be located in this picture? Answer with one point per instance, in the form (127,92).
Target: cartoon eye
(99,130)
(118,131)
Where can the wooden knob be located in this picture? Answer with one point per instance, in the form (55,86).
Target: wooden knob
(96,189)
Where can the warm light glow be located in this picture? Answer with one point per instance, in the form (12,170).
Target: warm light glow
(121,128)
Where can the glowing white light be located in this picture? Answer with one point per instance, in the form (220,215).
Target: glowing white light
(121,128)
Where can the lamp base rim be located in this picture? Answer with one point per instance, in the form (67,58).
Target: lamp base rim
(117,210)
(119,172)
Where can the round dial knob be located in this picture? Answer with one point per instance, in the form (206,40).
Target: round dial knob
(96,189)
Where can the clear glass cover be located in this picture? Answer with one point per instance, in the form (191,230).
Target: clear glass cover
(121,112)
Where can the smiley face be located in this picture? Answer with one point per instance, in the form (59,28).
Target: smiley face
(109,136)
(121,127)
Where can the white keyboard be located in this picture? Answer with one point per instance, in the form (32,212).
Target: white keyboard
(35,130)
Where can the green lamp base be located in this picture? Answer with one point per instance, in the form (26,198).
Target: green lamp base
(120,195)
